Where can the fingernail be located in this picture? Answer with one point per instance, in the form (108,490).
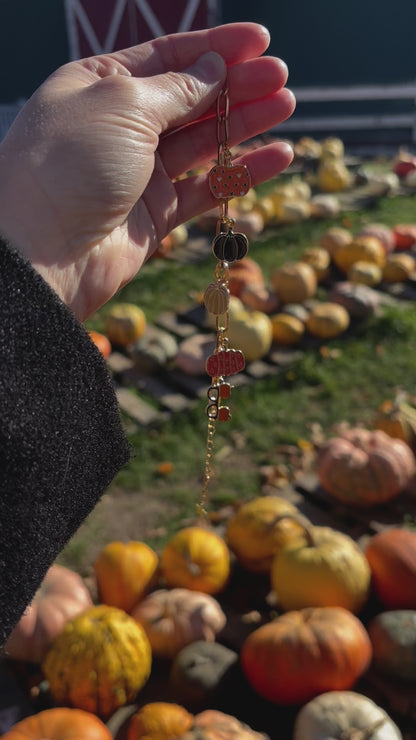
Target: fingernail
(209,68)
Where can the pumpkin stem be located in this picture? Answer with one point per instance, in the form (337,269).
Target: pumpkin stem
(302,521)
(364,734)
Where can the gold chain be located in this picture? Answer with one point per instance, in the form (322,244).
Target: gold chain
(225,182)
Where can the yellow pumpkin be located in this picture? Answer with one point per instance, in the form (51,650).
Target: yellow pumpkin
(319,259)
(287,329)
(251,332)
(398,268)
(333,176)
(259,529)
(159,720)
(124,571)
(125,323)
(196,558)
(327,320)
(294,282)
(362,248)
(323,567)
(333,238)
(99,662)
(332,148)
(365,273)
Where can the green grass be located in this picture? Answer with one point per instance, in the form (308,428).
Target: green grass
(369,363)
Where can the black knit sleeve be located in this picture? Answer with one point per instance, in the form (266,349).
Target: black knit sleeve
(61,438)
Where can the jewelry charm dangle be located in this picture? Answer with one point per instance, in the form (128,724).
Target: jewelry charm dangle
(226,180)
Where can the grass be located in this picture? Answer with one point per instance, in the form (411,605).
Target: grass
(361,369)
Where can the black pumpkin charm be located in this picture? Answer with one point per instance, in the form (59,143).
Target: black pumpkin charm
(229,246)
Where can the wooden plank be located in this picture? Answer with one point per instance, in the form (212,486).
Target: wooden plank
(165,395)
(171,322)
(138,409)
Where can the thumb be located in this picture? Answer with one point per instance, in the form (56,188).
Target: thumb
(177,98)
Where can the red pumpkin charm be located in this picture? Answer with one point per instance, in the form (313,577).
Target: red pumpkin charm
(230,246)
(229,181)
(225,362)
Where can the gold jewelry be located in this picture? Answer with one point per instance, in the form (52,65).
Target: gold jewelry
(226,180)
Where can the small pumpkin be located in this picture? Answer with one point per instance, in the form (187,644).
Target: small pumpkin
(333,175)
(251,332)
(287,329)
(259,529)
(404,236)
(393,637)
(244,272)
(362,248)
(61,596)
(212,724)
(159,720)
(196,558)
(327,320)
(124,571)
(335,237)
(398,268)
(230,246)
(198,671)
(325,205)
(154,350)
(259,298)
(99,661)
(173,618)
(303,653)
(397,418)
(294,282)
(323,567)
(366,273)
(101,342)
(125,323)
(392,558)
(319,259)
(364,467)
(59,723)
(360,301)
(345,715)
(380,231)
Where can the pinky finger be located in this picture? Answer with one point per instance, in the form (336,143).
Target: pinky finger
(193,193)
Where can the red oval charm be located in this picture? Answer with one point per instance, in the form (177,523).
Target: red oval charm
(229,181)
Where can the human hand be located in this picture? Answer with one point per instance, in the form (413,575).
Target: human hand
(89,170)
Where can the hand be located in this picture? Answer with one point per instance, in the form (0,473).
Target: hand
(89,170)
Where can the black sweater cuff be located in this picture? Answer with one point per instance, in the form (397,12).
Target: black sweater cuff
(61,438)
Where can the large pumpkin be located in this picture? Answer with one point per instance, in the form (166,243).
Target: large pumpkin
(294,282)
(362,467)
(346,715)
(393,637)
(99,662)
(327,320)
(251,332)
(304,653)
(196,558)
(159,720)
(261,528)
(392,558)
(61,596)
(176,617)
(59,723)
(124,571)
(364,248)
(323,567)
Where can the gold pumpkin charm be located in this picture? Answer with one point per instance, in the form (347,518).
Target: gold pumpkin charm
(99,662)
(217,298)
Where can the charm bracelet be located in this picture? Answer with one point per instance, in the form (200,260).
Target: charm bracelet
(226,180)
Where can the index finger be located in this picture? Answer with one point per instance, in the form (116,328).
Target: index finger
(235,42)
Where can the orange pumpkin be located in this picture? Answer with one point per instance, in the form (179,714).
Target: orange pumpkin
(211,724)
(196,558)
(404,236)
(59,723)
(392,558)
(362,467)
(304,653)
(124,571)
(244,272)
(62,595)
(101,342)
(294,282)
(159,720)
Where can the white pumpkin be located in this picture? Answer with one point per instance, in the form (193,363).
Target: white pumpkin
(335,715)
